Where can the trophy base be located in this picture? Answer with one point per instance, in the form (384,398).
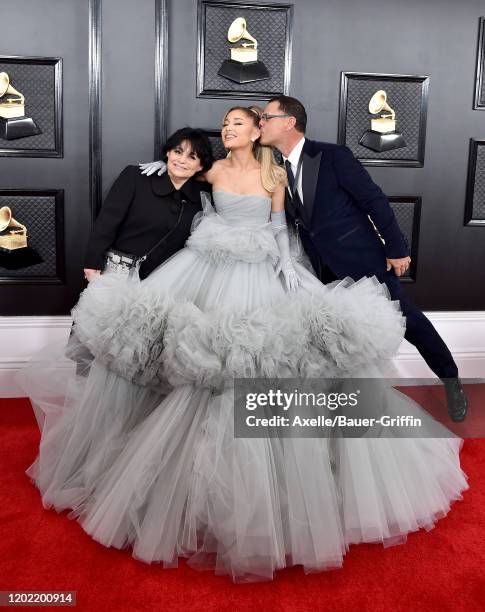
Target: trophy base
(243,73)
(19,258)
(18,127)
(382,142)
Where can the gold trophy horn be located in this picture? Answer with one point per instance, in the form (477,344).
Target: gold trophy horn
(243,67)
(382,135)
(5,216)
(13,122)
(377,104)
(10,107)
(238,31)
(15,236)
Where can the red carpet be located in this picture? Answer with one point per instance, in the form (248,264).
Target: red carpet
(41,550)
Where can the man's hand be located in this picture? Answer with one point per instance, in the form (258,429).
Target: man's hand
(400,265)
(89,274)
(152,167)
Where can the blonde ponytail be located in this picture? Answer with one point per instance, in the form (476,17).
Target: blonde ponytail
(272,175)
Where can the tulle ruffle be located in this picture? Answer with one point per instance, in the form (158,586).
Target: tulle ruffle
(153,340)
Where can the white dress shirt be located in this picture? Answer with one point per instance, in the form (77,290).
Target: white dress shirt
(293,158)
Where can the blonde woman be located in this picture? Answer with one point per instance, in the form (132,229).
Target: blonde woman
(234,304)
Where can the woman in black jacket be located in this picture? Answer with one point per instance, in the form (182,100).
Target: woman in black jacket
(151,214)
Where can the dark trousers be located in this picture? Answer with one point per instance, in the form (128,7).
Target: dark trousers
(419,329)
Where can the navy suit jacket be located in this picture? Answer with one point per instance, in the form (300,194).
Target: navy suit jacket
(339,197)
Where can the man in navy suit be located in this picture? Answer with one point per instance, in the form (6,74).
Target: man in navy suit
(329,200)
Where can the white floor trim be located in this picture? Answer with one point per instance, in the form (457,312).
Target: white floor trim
(20,338)
(464,333)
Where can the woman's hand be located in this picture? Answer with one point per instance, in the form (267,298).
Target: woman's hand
(290,274)
(280,232)
(151,167)
(89,274)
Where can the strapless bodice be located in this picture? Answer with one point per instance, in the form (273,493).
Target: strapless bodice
(238,226)
(242,209)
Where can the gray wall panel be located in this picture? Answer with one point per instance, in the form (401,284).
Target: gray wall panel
(53,28)
(128,84)
(437,38)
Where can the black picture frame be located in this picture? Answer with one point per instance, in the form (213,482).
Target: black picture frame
(354,118)
(215,139)
(49,116)
(161,74)
(479,99)
(407,210)
(475,189)
(54,251)
(211,85)
(95,133)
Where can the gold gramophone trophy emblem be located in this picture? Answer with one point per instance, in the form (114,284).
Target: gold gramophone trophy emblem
(13,122)
(244,66)
(15,254)
(13,235)
(382,136)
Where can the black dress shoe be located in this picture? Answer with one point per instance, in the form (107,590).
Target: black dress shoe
(456,398)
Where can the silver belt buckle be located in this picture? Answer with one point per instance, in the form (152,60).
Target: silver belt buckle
(118,263)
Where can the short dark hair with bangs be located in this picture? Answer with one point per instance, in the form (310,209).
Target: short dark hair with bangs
(292,106)
(199,143)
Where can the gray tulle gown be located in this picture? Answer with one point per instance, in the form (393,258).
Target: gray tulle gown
(137,412)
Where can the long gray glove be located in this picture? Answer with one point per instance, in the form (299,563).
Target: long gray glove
(285,264)
(151,167)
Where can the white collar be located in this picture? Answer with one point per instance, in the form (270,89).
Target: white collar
(294,155)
